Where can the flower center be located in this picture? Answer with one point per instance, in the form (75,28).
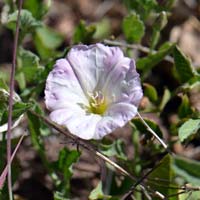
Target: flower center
(97,103)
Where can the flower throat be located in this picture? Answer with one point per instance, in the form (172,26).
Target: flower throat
(97,103)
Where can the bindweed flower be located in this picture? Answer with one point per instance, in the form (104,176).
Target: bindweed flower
(93,91)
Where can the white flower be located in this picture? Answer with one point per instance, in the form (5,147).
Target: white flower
(93,91)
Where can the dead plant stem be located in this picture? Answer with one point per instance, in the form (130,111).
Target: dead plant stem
(86,145)
(10,109)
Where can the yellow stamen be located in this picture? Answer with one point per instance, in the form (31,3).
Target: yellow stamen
(97,103)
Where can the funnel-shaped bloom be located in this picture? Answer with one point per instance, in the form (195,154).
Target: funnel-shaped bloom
(93,91)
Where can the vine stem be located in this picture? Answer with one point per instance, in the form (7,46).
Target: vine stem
(136,46)
(86,145)
(10,105)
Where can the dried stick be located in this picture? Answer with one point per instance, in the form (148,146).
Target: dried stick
(153,133)
(83,143)
(129,193)
(10,109)
(136,46)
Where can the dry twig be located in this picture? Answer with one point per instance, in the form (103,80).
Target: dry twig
(136,46)
(86,145)
(10,109)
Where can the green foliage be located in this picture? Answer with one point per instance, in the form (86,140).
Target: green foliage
(152,60)
(18,109)
(188,169)
(165,98)
(162,178)
(4,190)
(192,83)
(170,98)
(143,7)
(133,28)
(65,161)
(114,149)
(141,127)
(194,195)
(27,22)
(4,194)
(59,196)
(184,69)
(160,23)
(97,193)
(64,165)
(188,129)
(37,7)
(185,109)
(35,125)
(2,151)
(103,29)
(28,68)
(46,41)
(83,33)
(150,92)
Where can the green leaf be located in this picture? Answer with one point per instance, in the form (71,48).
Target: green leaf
(46,41)
(152,60)
(34,128)
(3,85)
(133,28)
(114,149)
(28,67)
(161,21)
(162,178)
(142,128)
(189,128)
(193,82)
(142,7)
(103,29)
(187,169)
(64,165)
(66,159)
(4,192)
(150,92)
(193,195)
(83,33)
(97,193)
(2,151)
(27,58)
(166,97)
(27,22)
(185,108)
(183,66)
(158,25)
(18,109)
(37,7)
(4,76)
(166,5)
(4,97)
(49,38)
(59,196)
